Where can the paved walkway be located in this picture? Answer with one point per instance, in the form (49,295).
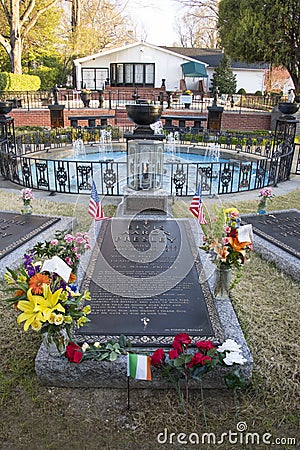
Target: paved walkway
(281,189)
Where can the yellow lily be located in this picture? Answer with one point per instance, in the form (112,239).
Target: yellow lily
(31,311)
(49,302)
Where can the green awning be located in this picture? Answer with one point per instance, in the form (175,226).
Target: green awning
(194,69)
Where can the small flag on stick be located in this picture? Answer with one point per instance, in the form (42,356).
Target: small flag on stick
(95,208)
(138,367)
(196,206)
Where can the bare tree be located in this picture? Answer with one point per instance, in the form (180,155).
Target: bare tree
(20,17)
(195,29)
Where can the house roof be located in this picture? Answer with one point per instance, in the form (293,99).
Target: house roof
(136,44)
(212,57)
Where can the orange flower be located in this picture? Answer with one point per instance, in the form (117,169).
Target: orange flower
(72,277)
(36,283)
(223,253)
(19,292)
(238,246)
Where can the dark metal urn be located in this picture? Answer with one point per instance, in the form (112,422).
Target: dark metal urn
(143,115)
(5,107)
(288,108)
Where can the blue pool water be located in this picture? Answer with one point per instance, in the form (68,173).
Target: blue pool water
(179,165)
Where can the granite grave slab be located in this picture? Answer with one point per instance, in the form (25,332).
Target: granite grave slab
(102,374)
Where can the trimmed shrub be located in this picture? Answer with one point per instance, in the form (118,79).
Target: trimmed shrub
(258,93)
(15,82)
(241,91)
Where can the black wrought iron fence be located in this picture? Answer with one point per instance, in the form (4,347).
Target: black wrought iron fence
(114,99)
(180,177)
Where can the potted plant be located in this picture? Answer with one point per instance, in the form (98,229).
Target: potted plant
(186,98)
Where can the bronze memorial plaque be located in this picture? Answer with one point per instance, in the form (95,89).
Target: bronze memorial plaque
(17,229)
(144,282)
(281,228)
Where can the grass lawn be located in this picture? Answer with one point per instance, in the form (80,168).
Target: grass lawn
(267,304)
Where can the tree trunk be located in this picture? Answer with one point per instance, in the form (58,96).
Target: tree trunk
(15,38)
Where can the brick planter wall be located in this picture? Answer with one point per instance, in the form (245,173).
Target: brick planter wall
(230,120)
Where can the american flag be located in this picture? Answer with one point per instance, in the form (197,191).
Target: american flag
(196,206)
(95,208)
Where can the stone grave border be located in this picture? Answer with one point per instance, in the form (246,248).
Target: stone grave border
(94,374)
(283,260)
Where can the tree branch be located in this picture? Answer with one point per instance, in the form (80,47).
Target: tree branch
(6,11)
(35,17)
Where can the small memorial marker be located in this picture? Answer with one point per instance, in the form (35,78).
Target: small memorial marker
(16,230)
(280,228)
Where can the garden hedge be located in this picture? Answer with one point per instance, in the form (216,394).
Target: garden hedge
(15,82)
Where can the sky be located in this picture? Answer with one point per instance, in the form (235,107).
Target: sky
(157,18)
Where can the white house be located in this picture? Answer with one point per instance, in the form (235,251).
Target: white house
(250,77)
(139,64)
(145,65)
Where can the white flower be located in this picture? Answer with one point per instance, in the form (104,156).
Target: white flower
(234,358)
(58,319)
(97,344)
(229,345)
(85,346)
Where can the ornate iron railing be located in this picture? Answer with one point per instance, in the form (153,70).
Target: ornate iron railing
(117,98)
(180,178)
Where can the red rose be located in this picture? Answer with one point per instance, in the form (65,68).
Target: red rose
(205,346)
(173,354)
(199,360)
(182,339)
(177,346)
(74,353)
(233,233)
(158,357)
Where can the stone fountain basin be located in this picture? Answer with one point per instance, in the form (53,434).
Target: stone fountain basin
(143,114)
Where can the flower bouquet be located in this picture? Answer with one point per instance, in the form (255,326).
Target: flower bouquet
(67,246)
(44,293)
(228,246)
(186,361)
(264,195)
(26,195)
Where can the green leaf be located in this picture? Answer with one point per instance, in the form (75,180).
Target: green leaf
(113,356)
(235,379)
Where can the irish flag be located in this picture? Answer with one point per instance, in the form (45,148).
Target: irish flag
(138,367)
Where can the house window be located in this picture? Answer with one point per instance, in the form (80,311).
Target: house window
(94,78)
(128,69)
(132,74)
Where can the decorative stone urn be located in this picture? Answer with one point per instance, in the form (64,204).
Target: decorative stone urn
(143,115)
(288,108)
(5,107)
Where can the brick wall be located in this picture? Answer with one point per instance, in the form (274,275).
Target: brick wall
(230,120)
(246,122)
